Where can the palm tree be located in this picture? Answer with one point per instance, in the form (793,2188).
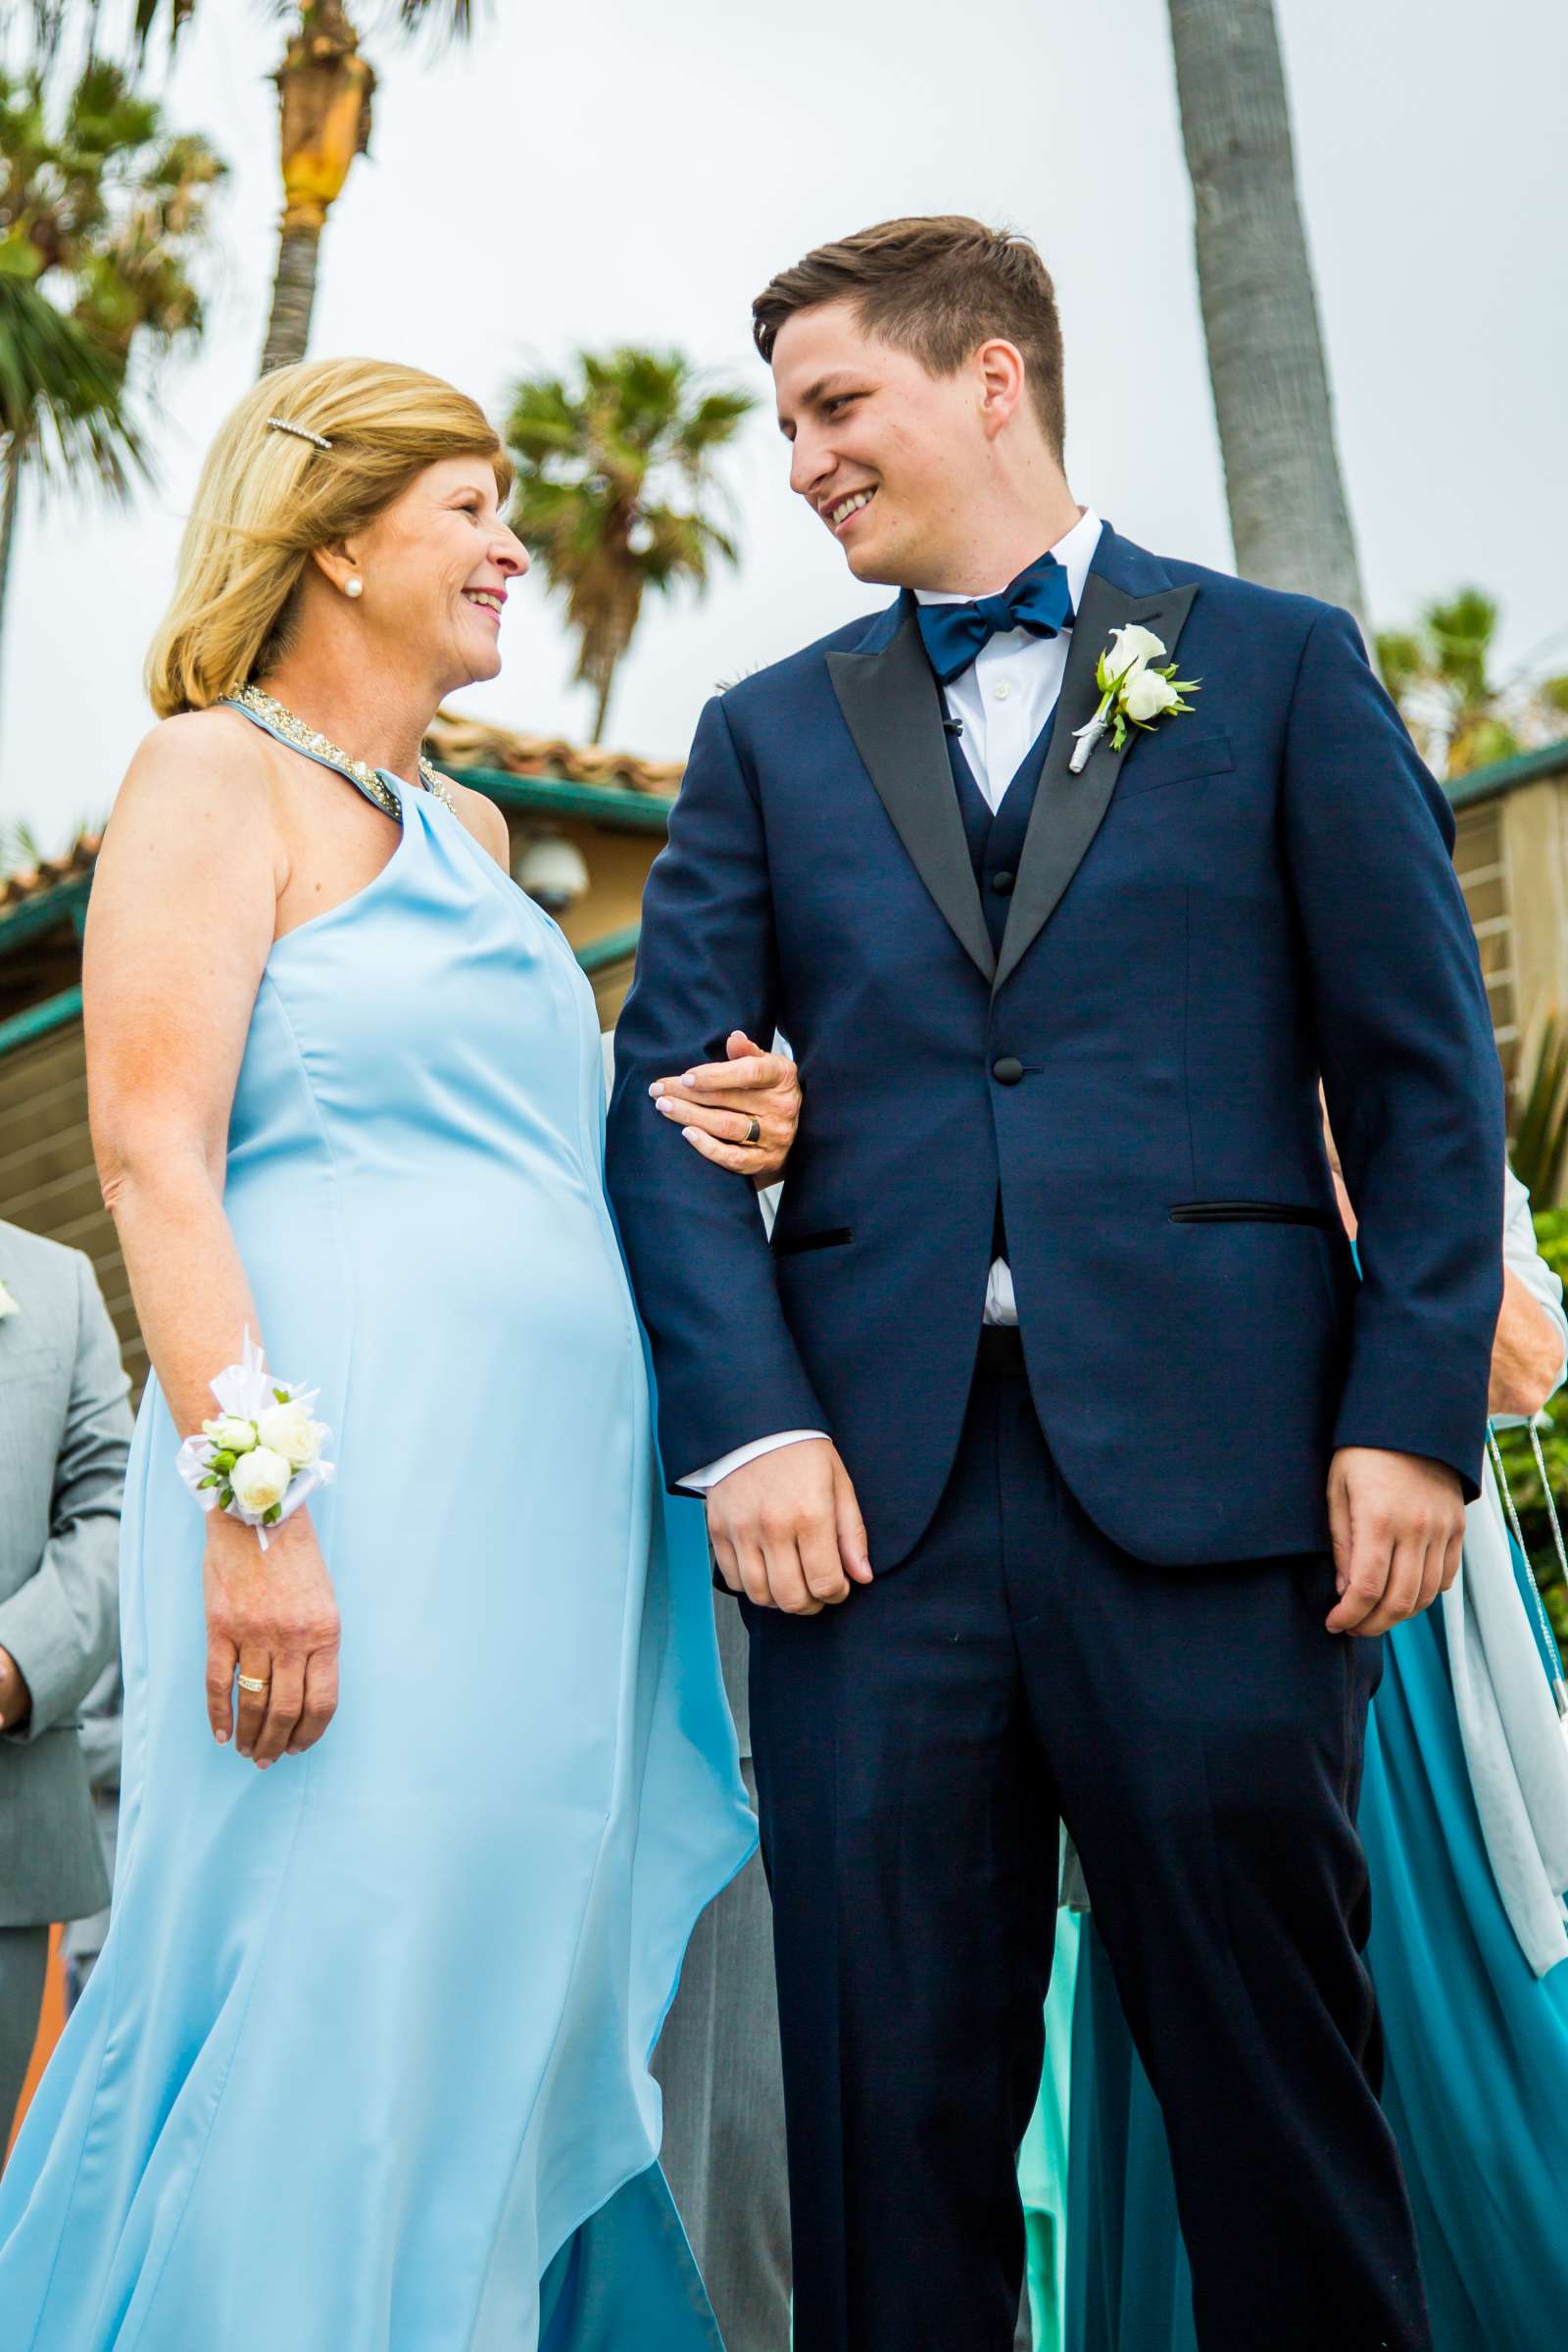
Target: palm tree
(599,462)
(1460,715)
(98,221)
(324,92)
(1290,522)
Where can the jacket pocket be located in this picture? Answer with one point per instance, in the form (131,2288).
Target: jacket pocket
(1173,760)
(1251,1213)
(795,1244)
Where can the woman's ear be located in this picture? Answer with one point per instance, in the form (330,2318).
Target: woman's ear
(339,568)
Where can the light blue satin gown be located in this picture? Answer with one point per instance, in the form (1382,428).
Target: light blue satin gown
(364,2065)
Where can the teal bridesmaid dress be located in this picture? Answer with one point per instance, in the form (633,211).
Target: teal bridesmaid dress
(1474,2077)
(364,2065)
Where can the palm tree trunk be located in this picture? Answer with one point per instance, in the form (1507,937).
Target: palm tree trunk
(10,495)
(1289,520)
(324,90)
(288,328)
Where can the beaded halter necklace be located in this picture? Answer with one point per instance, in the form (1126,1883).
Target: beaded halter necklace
(317,746)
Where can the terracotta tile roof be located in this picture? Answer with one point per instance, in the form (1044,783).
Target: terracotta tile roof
(33,881)
(456,742)
(473,743)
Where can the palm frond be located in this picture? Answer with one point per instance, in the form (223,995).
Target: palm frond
(62,397)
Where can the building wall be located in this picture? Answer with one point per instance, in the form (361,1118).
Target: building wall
(48,1183)
(1534,832)
(1481,861)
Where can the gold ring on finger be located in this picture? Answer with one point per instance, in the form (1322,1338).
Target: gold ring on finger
(253,1681)
(754,1133)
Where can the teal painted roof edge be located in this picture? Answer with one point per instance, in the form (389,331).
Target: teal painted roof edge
(45,908)
(1503,776)
(615,947)
(39,1019)
(615,804)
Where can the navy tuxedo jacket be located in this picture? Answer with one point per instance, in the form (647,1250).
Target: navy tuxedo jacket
(1244,898)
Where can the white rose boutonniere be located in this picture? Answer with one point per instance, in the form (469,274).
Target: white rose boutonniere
(1133,693)
(8,1305)
(260,1456)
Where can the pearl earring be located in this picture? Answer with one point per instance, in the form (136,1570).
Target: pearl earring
(354,587)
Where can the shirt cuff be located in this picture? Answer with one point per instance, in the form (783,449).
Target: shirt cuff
(698,1481)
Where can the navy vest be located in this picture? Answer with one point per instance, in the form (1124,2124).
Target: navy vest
(996,845)
(995,842)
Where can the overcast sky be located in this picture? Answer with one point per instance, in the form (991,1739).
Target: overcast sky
(614,173)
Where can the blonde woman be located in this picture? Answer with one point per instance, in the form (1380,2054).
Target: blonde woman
(364,2058)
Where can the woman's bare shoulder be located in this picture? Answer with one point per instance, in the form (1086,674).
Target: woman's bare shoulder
(483,820)
(200,762)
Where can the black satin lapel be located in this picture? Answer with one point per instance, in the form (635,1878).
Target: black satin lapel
(893,709)
(1068,809)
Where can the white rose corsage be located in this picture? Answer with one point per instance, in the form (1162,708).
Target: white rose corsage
(260,1456)
(1133,693)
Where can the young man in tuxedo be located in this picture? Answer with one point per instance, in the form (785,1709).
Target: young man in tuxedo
(1067,1471)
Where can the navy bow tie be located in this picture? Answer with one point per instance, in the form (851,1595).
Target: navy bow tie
(1037,600)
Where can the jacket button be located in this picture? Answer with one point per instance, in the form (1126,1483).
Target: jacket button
(1007,1070)
(1001,882)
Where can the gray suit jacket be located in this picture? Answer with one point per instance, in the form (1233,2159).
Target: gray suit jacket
(65,1427)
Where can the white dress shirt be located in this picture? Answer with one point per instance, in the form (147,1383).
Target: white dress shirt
(1003,699)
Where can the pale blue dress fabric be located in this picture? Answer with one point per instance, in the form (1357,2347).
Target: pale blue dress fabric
(366,2047)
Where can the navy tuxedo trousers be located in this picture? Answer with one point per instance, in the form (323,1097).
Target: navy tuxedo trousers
(1200,1733)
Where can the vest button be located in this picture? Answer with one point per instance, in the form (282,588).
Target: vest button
(1001,881)
(1007,1070)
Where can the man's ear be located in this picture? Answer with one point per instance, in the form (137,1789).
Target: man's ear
(999,375)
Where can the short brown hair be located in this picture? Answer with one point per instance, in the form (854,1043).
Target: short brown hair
(936,287)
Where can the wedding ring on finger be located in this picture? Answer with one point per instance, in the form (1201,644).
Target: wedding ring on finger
(754,1133)
(253,1681)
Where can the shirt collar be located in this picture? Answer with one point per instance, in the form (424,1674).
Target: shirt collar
(1074,551)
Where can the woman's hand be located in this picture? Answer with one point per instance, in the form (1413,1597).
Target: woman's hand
(718,1104)
(270,1615)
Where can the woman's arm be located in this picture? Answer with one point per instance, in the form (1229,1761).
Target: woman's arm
(1527,1354)
(181,925)
(180,928)
(1527,1363)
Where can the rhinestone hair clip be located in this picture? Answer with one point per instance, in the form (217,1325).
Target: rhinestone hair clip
(282,425)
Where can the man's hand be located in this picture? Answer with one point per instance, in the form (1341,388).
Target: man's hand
(787,1531)
(718,1104)
(16,1700)
(1396,1522)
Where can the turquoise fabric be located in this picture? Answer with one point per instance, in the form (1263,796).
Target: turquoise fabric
(1043,2157)
(1476,2085)
(367,2045)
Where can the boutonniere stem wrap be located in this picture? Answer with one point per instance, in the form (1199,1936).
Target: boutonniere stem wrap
(1134,693)
(260,1456)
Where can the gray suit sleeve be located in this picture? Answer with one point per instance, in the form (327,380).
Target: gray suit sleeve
(61,1626)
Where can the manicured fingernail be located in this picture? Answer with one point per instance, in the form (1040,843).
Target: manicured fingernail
(665,1106)
(653,1089)
(222,1737)
(688,1077)
(265,1764)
